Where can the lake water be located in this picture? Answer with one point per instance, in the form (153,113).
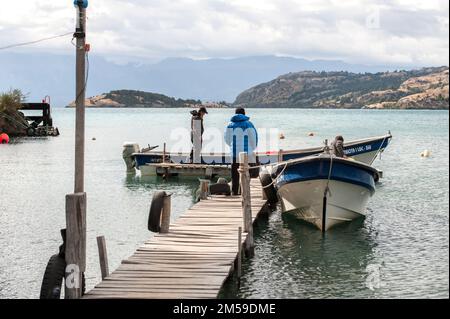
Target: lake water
(401,250)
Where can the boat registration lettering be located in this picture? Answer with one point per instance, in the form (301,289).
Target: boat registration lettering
(359,149)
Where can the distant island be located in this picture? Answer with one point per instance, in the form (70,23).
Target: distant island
(140,99)
(427,88)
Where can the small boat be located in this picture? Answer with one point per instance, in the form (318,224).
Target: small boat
(362,150)
(325,190)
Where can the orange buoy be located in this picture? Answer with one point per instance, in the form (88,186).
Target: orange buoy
(4,138)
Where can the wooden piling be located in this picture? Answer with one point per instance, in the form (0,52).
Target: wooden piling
(246,203)
(164,153)
(80,93)
(75,244)
(103,256)
(239,257)
(165,216)
(204,189)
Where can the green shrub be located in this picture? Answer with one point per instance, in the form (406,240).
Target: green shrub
(11,101)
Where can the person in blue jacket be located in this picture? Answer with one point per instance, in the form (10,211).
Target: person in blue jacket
(241,136)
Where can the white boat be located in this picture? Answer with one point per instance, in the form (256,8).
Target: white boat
(325,190)
(362,150)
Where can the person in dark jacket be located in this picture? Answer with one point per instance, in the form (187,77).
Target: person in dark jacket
(197,130)
(337,147)
(241,136)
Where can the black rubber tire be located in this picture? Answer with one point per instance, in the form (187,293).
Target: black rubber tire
(154,217)
(254,172)
(220,189)
(31,131)
(53,278)
(222,180)
(270,191)
(376,178)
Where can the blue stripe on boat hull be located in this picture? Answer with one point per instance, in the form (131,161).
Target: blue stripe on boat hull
(319,169)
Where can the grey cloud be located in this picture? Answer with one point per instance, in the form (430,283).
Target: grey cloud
(149,29)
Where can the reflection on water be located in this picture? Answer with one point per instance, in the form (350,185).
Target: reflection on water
(295,260)
(172,185)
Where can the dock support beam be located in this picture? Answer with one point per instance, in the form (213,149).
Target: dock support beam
(103,256)
(75,244)
(246,203)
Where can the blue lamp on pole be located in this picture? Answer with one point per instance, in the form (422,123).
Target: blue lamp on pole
(80,6)
(81,3)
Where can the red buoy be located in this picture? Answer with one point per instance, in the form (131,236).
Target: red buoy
(4,138)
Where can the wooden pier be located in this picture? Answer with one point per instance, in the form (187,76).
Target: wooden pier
(192,260)
(196,170)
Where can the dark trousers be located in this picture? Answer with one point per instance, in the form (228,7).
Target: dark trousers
(235,178)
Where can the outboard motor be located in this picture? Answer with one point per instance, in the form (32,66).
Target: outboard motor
(128,150)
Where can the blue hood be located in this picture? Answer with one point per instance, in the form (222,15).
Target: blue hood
(239,118)
(233,137)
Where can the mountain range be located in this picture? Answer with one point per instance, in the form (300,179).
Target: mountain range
(206,80)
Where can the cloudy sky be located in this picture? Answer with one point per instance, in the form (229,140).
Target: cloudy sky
(363,31)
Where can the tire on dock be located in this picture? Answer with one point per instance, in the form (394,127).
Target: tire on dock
(270,191)
(154,217)
(220,189)
(53,278)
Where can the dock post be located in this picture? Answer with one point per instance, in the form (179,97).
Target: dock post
(103,256)
(75,244)
(204,189)
(164,153)
(239,260)
(165,216)
(246,203)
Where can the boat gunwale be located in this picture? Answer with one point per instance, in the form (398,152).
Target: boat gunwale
(274,153)
(327,158)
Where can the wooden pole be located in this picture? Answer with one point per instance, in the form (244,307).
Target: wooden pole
(280,156)
(103,256)
(165,216)
(204,189)
(76,203)
(246,202)
(239,260)
(80,96)
(164,153)
(75,254)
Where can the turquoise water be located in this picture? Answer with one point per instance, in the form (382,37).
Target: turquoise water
(401,250)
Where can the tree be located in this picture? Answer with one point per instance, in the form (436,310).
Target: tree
(11,101)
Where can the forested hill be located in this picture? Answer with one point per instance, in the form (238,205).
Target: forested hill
(134,99)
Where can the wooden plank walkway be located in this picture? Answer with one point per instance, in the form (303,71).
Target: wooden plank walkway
(192,261)
(204,170)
